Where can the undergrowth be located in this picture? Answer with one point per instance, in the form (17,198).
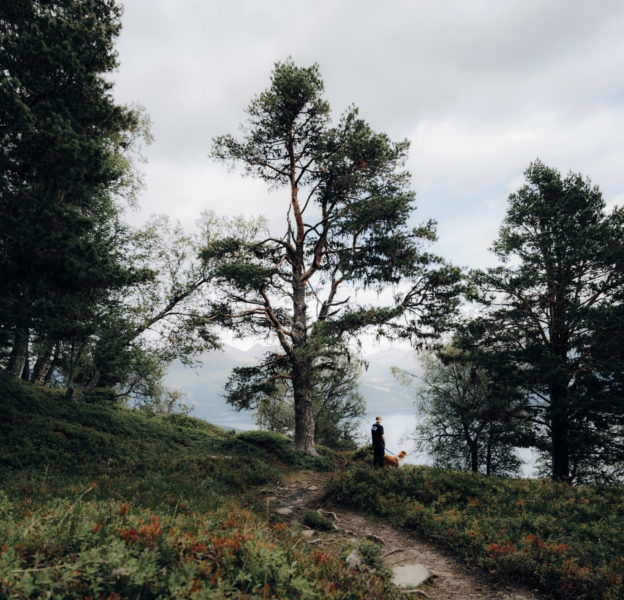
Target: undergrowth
(567,540)
(102,502)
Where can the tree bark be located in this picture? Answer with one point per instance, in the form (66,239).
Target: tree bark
(93,381)
(488,455)
(304,417)
(19,354)
(42,365)
(302,380)
(26,370)
(559,425)
(47,377)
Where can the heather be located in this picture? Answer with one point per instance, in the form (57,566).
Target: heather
(99,501)
(568,540)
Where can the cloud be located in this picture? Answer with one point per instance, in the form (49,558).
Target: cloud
(480,88)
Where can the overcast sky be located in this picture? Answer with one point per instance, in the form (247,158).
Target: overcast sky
(480,88)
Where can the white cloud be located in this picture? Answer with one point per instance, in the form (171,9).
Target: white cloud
(480,88)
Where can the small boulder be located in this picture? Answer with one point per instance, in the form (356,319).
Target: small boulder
(410,576)
(353,560)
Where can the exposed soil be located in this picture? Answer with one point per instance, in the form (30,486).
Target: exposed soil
(450,580)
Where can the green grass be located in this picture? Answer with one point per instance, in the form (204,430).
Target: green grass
(98,501)
(567,540)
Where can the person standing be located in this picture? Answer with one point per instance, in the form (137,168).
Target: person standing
(379,443)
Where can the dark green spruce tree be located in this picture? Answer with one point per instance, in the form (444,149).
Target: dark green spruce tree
(65,167)
(554,319)
(347,207)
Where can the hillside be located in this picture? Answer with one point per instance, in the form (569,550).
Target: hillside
(98,501)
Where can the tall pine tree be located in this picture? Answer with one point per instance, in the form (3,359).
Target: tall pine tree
(555,315)
(347,207)
(64,166)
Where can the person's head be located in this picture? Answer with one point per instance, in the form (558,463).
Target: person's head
(378,419)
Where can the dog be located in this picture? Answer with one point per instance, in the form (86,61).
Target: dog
(393,461)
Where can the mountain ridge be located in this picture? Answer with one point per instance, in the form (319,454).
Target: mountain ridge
(203,386)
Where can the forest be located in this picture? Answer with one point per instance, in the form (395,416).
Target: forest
(527,354)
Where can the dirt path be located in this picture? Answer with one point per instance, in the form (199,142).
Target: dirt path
(450,580)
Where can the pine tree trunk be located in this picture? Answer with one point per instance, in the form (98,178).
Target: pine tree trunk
(19,354)
(559,435)
(304,419)
(474,457)
(26,369)
(302,379)
(488,455)
(47,377)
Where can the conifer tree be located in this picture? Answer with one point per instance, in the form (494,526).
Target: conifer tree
(554,319)
(348,207)
(65,148)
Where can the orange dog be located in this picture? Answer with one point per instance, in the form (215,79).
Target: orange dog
(393,461)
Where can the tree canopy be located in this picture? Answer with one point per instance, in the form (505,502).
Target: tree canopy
(466,421)
(554,311)
(65,166)
(347,207)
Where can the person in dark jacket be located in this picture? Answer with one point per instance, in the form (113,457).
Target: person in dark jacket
(379,443)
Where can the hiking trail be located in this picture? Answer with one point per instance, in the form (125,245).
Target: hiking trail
(449,579)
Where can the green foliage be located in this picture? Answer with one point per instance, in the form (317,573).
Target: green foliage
(45,434)
(78,547)
(467,421)
(103,397)
(116,503)
(337,405)
(314,520)
(347,207)
(553,307)
(66,164)
(565,539)
(283,448)
(371,556)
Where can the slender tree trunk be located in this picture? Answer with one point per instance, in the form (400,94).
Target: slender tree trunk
(488,455)
(473,448)
(559,426)
(74,361)
(474,457)
(47,377)
(93,381)
(26,370)
(42,365)
(19,354)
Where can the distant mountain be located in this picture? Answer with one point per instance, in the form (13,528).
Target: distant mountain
(203,387)
(382,392)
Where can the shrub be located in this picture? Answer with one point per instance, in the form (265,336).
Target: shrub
(565,539)
(283,448)
(314,520)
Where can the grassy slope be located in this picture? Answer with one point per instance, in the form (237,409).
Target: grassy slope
(567,540)
(103,502)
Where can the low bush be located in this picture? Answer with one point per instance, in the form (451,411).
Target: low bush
(314,520)
(567,540)
(88,549)
(105,502)
(284,449)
